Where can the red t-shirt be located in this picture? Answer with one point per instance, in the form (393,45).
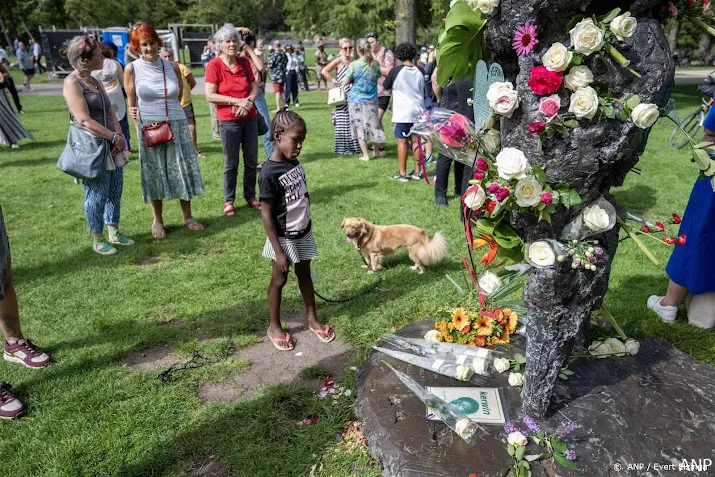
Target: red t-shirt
(230,83)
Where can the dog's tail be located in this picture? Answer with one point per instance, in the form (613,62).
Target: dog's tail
(433,251)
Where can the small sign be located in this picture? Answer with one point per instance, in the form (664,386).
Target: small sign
(482,405)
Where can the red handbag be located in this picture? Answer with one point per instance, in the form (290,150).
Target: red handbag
(159,132)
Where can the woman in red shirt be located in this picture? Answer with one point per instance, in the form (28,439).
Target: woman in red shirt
(231,86)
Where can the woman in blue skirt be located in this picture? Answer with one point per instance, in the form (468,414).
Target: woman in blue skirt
(692,265)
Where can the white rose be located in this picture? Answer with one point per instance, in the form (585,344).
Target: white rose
(475,197)
(516,438)
(645,115)
(541,254)
(528,192)
(432,335)
(487,7)
(557,57)
(492,140)
(579,77)
(586,37)
(516,379)
(632,346)
(465,428)
(624,26)
(584,103)
(503,99)
(489,282)
(512,164)
(502,364)
(463,373)
(599,349)
(616,346)
(480,365)
(596,219)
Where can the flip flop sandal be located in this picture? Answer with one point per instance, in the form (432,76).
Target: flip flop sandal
(193,225)
(323,335)
(228,209)
(158,231)
(287,340)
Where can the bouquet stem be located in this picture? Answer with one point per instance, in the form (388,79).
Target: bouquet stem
(620,59)
(703,26)
(637,241)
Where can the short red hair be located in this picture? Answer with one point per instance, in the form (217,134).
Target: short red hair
(142,32)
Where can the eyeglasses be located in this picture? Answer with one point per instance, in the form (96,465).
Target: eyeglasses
(347,48)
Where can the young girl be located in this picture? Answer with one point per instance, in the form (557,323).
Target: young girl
(286,218)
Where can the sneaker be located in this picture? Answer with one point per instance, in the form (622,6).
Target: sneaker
(217,138)
(10,406)
(14,146)
(297,105)
(364,158)
(254,203)
(430,160)
(666,313)
(25,352)
(415,176)
(22,111)
(103,248)
(259,166)
(440,201)
(119,239)
(201,155)
(400,177)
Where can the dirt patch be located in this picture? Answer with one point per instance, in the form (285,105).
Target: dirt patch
(209,467)
(148,260)
(267,365)
(168,321)
(151,359)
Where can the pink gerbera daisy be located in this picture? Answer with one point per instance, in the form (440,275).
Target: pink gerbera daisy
(525,39)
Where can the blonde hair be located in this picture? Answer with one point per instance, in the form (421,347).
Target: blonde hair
(342,41)
(363,49)
(79,52)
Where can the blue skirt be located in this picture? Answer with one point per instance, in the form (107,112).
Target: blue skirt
(692,265)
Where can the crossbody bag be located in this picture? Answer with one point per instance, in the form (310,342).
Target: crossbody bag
(158,132)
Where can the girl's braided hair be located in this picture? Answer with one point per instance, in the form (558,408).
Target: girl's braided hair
(284,120)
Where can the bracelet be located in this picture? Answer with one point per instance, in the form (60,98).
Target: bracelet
(114,138)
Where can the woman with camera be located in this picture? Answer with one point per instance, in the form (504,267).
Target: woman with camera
(169,168)
(232,87)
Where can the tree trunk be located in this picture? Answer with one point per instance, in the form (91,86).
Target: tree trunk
(673,35)
(704,47)
(405,22)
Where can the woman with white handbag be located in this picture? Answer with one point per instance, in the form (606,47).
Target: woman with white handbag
(345,143)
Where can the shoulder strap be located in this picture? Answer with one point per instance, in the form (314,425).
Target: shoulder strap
(166,100)
(241,60)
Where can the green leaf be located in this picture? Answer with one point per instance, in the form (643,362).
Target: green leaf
(505,236)
(533,457)
(567,371)
(520,358)
(633,101)
(574,20)
(577,59)
(557,444)
(701,158)
(462,44)
(550,209)
(561,459)
(520,452)
(623,115)
(510,450)
(571,123)
(609,111)
(710,171)
(525,464)
(544,215)
(568,197)
(539,173)
(611,15)
(563,376)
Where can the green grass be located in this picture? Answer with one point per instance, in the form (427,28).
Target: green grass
(91,415)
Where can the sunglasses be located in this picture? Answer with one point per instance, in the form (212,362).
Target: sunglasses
(87,45)
(347,48)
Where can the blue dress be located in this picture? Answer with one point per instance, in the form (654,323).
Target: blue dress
(692,265)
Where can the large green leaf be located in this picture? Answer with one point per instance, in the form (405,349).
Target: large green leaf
(461,44)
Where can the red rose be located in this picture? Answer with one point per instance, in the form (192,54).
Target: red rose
(690,2)
(669,241)
(537,127)
(547,198)
(543,81)
(466,329)
(660,226)
(645,229)
(676,219)
(682,238)
(491,206)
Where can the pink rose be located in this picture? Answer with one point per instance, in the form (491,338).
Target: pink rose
(478,175)
(502,194)
(547,198)
(493,188)
(482,165)
(549,106)
(537,127)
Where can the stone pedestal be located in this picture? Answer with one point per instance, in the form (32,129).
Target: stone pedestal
(657,407)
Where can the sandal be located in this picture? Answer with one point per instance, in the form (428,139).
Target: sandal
(103,248)
(324,335)
(288,338)
(116,238)
(158,231)
(228,209)
(254,203)
(192,224)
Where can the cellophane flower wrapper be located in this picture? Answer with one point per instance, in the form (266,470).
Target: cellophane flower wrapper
(479,361)
(453,134)
(462,372)
(555,245)
(450,415)
(577,230)
(436,347)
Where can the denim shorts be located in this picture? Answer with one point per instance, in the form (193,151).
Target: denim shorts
(402,130)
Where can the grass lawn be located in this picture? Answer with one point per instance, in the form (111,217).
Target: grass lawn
(89,414)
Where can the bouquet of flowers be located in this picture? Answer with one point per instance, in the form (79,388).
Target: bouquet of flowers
(693,10)
(485,327)
(452,132)
(460,371)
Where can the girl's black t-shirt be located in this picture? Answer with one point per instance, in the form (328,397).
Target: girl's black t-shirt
(283,183)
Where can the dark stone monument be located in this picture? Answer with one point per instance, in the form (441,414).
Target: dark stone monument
(656,408)
(596,157)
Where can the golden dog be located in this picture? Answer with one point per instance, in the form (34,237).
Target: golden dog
(374,241)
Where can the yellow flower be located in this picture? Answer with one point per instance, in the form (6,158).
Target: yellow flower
(513,320)
(502,338)
(448,338)
(484,326)
(460,318)
(439,338)
(450,326)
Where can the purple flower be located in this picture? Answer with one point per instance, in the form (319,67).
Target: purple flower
(572,251)
(570,454)
(599,251)
(509,428)
(565,429)
(591,259)
(531,424)
(577,262)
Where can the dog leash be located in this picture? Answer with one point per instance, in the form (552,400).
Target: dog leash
(422,161)
(359,294)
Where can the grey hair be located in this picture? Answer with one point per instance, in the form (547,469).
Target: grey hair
(79,52)
(166,49)
(226,32)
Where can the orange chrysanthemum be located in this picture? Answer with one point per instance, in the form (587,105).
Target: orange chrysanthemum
(499,316)
(513,320)
(503,338)
(460,318)
(480,341)
(448,338)
(483,325)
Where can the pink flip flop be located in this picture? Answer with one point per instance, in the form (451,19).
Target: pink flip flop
(287,339)
(323,334)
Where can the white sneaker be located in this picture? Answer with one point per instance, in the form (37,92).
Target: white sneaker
(14,146)
(666,313)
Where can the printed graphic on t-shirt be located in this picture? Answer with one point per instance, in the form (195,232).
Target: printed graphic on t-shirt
(296,200)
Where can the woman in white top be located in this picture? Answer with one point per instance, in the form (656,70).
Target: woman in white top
(112,77)
(291,78)
(170,170)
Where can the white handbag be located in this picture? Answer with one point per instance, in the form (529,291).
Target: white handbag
(336,96)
